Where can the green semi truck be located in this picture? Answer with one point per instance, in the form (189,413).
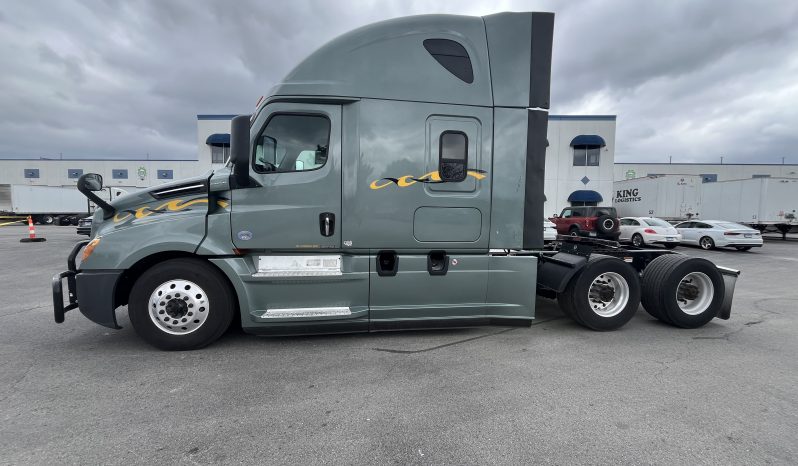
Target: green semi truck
(392,180)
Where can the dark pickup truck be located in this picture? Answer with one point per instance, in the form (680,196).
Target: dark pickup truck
(598,222)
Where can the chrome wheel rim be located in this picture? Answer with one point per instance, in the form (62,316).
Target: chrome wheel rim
(178,307)
(706,243)
(694,293)
(608,294)
(637,240)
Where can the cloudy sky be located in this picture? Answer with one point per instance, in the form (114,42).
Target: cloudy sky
(695,80)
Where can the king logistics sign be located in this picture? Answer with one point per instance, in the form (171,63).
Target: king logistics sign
(627,195)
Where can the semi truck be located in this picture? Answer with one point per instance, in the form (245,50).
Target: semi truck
(46,205)
(393,180)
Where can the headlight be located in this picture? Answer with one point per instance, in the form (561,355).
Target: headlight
(90,247)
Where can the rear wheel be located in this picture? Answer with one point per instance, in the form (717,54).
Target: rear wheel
(46,219)
(743,248)
(181,304)
(683,291)
(706,243)
(637,240)
(604,295)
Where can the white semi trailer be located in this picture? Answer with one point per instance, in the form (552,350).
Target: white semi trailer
(670,197)
(762,203)
(48,204)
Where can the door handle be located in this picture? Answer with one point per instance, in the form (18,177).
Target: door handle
(327,223)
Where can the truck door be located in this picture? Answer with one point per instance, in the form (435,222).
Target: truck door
(289,219)
(296,160)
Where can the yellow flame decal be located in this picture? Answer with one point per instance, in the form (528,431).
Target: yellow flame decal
(175,205)
(118,219)
(409,180)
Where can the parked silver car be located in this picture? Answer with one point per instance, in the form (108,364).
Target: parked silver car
(710,234)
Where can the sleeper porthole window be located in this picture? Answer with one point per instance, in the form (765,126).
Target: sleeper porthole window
(453,156)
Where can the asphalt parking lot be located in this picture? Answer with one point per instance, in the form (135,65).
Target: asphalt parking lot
(553,393)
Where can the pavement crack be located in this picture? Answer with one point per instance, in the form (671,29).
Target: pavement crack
(466,340)
(24,310)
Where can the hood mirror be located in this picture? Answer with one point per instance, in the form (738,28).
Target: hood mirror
(90,182)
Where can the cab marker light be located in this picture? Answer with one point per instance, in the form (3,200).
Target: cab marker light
(90,248)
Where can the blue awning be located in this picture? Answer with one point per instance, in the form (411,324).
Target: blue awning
(585,195)
(218,139)
(588,140)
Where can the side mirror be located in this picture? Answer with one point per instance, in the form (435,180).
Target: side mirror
(90,182)
(240,149)
(555,216)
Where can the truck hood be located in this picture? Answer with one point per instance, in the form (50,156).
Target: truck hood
(187,197)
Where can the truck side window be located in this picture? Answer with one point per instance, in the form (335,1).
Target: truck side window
(292,143)
(566,213)
(453,156)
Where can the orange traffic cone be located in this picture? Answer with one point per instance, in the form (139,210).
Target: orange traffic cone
(31,233)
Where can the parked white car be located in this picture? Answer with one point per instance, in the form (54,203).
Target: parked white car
(649,230)
(549,231)
(711,234)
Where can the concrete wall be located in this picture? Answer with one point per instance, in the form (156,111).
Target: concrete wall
(724,172)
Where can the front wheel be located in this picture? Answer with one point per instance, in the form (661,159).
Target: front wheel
(604,295)
(181,304)
(707,243)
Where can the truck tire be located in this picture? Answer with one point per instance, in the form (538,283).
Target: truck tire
(74,220)
(604,295)
(637,240)
(606,224)
(706,243)
(682,291)
(45,219)
(181,304)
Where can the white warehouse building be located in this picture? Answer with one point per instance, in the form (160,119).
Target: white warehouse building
(579,162)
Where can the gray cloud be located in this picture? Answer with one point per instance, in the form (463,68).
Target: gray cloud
(692,80)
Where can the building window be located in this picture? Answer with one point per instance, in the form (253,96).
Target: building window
(453,156)
(119,173)
(74,173)
(220,154)
(165,175)
(587,156)
(709,177)
(760,176)
(292,143)
(31,173)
